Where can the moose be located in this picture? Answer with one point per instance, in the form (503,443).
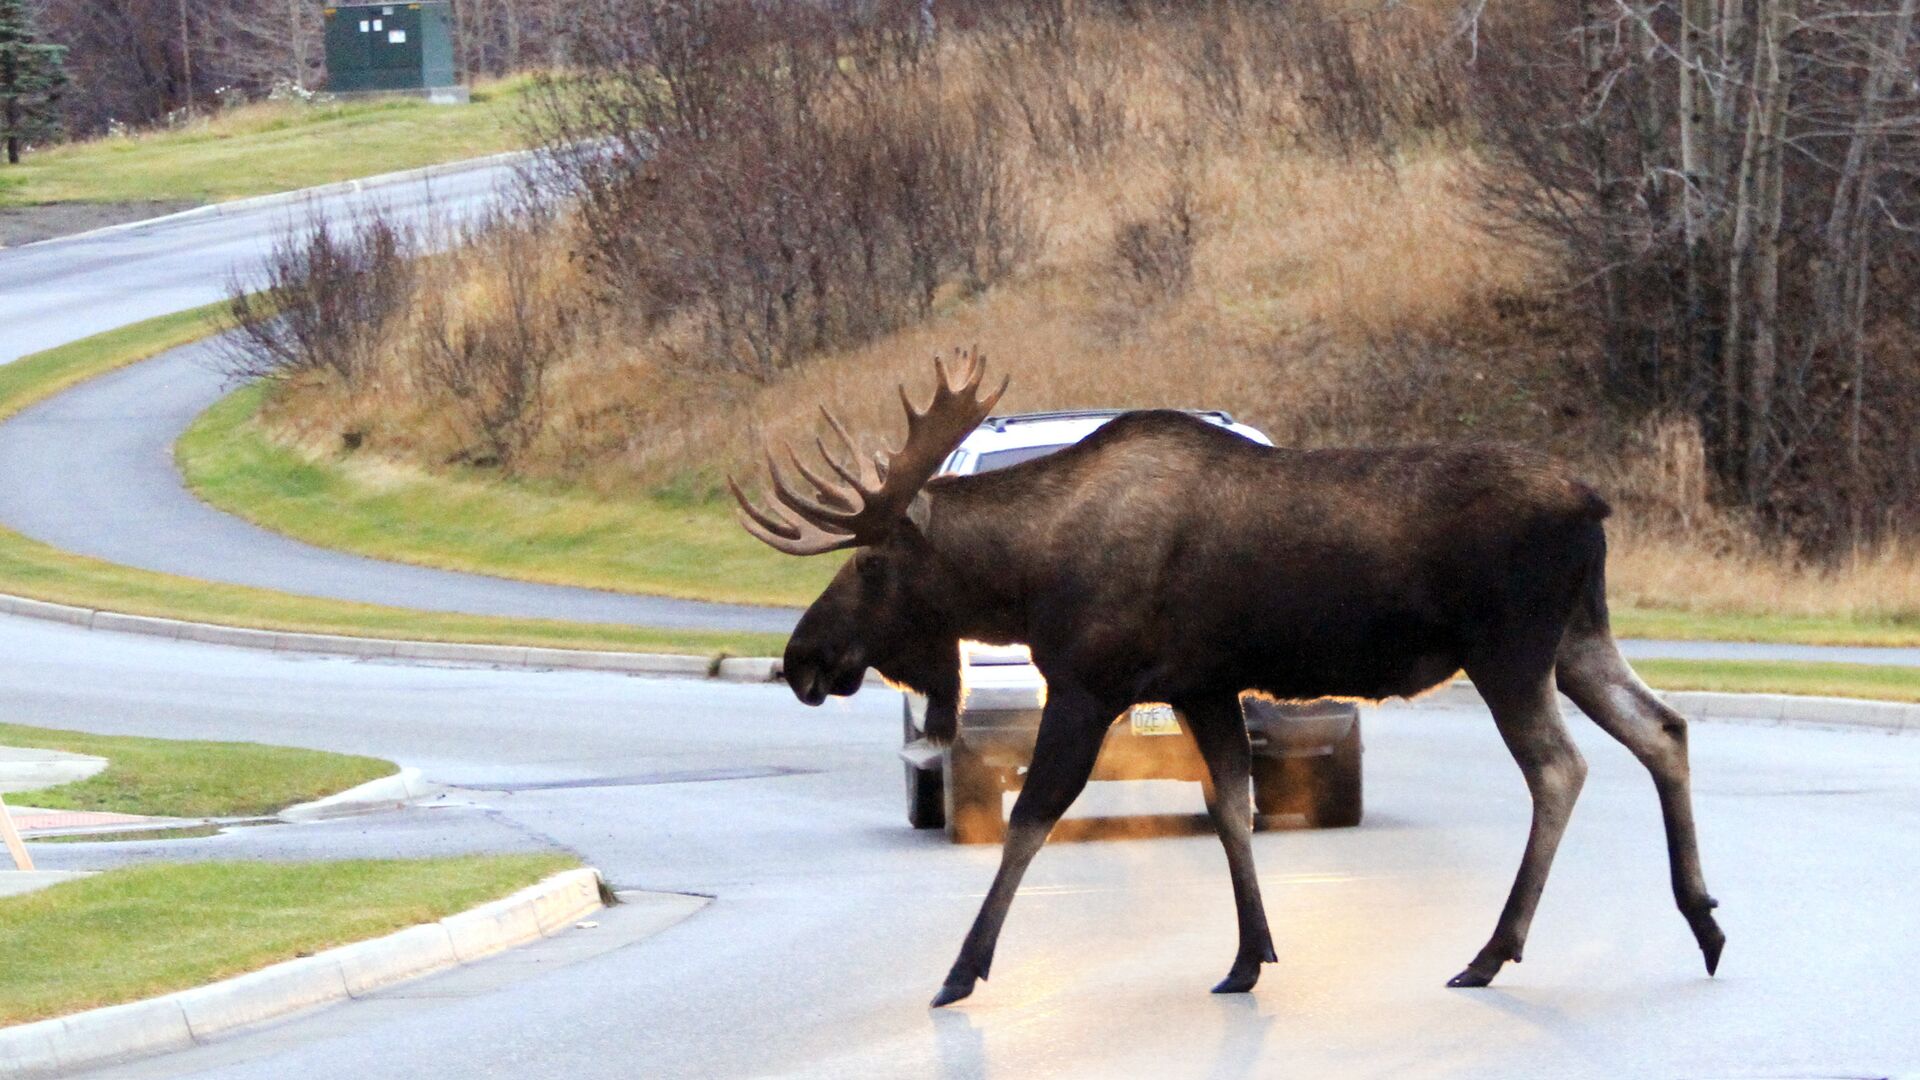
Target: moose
(1163,559)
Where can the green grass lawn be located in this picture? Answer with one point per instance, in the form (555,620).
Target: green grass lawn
(30,568)
(1792,630)
(482,524)
(1775,677)
(142,931)
(191,778)
(269,147)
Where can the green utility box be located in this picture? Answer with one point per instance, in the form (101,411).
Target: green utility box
(393,48)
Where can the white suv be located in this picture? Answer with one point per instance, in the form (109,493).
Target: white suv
(1306,757)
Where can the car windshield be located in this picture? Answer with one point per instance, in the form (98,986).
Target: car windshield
(1000,459)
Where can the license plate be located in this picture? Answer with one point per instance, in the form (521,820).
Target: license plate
(1154,720)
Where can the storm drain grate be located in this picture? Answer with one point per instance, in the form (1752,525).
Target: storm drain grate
(677,776)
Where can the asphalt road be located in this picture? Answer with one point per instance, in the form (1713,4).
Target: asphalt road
(62,290)
(832,922)
(92,471)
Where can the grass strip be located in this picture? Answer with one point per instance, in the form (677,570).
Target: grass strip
(1780,629)
(192,778)
(1784,677)
(142,931)
(29,568)
(269,147)
(467,520)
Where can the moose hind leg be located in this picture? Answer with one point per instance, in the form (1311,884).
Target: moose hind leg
(1071,731)
(1528,717)
(1220,733)
(1592,672)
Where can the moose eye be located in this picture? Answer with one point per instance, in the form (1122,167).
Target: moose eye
(873,572)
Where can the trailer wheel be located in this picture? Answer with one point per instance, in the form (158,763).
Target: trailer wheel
(972,798)
(1325,790)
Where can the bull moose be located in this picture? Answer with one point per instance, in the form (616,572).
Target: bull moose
(1163,559)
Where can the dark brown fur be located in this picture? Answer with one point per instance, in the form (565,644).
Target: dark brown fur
(1165,559)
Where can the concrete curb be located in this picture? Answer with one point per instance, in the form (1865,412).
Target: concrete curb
(730,669)
(1695,704)
(302,195)
(385,793)
(179,1020)
(1765,708)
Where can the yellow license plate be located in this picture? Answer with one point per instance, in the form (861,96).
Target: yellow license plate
(1154,720)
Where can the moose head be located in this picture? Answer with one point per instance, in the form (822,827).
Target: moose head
(889,608)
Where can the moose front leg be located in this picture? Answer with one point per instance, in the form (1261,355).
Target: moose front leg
(1528,716)
(1220,732)
(1071,730)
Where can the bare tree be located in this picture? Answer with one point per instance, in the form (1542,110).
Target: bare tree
(1753,229)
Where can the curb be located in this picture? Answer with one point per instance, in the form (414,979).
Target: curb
(288,198)
(1693,704)
(729,668)
(179,1020)
(386,793)
(1851,713)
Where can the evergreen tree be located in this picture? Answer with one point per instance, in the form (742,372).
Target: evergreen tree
(32,77)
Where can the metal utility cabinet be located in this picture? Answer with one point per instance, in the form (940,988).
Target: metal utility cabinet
(393,48)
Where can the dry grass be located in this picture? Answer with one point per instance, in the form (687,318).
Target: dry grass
(1650,570)
(1332,297)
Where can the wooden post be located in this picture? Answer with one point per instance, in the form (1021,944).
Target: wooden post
(11,835)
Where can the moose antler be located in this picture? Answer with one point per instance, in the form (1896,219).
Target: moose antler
(873,493)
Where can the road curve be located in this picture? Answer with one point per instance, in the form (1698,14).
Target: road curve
(62,290)
(92,471)
(833,921)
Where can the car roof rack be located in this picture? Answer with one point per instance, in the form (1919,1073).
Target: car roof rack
(1001,423)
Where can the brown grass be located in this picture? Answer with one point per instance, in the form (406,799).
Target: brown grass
(1333,297)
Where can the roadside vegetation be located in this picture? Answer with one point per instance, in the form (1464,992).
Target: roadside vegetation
(1319,222)
(192,778)
(32,569)
(141,931)
(267,147)
(1784,677)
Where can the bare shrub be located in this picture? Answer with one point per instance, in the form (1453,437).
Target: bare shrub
(1068,94)
(321,300)
(486,346)
(1354,82)
(805,181)
(1153,253)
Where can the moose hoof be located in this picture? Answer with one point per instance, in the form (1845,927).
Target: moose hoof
(1708,933)
(1711,942)
(951,993)
(1470,979)
(1237,982)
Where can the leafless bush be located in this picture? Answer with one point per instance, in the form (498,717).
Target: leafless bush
(802,182)
(491,363)
(320,300)
(1067,94)
(1153,253)
(1355,82)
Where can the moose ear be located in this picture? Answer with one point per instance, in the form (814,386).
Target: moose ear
(918,511)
